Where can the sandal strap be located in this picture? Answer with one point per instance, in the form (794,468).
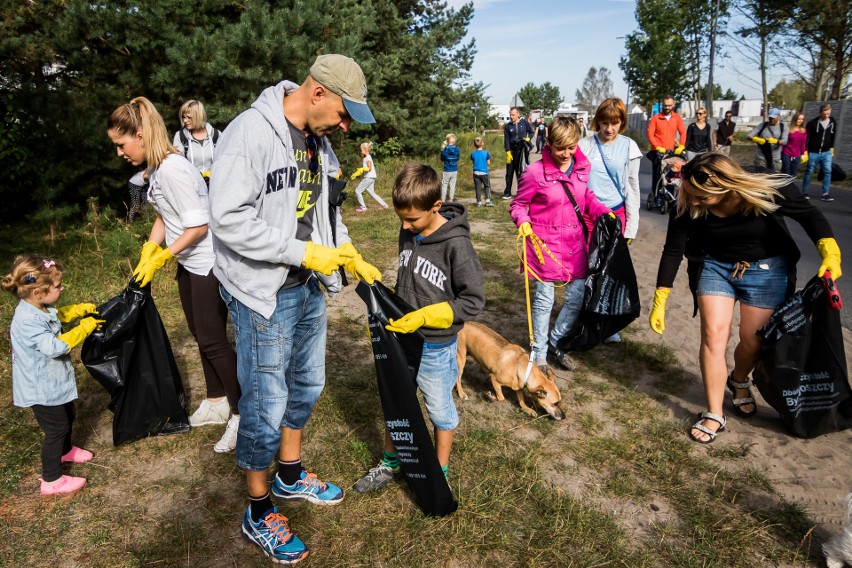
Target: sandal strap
(721,420)
(742,401)
(702,428)
(740,385)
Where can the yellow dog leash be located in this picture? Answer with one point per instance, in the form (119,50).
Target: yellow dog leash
(538,247)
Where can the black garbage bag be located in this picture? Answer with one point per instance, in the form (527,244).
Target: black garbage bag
(611,298)
(397,358)
(132,358)
(802,369)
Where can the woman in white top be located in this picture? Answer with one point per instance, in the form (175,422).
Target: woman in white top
(179,195)
(614,177)
(197,139)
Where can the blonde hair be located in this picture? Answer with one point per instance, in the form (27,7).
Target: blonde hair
(757,192)
(196,112)
(611,110)
(478,143)
(32,273)
(140,114)
(563,132)
(367,146)
(416,185)
(448,139)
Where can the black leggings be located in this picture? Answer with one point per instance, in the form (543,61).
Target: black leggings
(207,317)
(55,422)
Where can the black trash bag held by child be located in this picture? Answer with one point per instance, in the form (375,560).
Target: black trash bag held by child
(132,359)
(802,369)
(397,358)
(611,299)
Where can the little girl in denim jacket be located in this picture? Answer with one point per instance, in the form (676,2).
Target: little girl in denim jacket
(42,375)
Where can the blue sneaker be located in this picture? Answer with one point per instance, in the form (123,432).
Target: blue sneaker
(310,488)
(274,537)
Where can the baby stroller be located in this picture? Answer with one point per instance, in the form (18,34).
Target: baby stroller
(664,195)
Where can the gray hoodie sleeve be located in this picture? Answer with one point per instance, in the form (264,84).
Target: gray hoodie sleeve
(467,284)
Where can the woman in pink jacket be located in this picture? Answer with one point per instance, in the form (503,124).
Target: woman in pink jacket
(543,207)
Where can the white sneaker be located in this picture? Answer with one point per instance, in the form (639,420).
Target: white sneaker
(229,439)
(210,413)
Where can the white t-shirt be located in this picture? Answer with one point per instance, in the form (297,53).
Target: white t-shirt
(368,163)
(179,194)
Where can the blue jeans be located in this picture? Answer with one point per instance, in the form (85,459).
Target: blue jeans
(814,160)
(436,378)
(281,369)
(790,165)
(542,305)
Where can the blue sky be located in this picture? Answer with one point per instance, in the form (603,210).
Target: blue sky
(558,40)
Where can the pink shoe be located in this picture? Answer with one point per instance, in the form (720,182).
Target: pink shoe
(77,455)
(360,209)
(65,484)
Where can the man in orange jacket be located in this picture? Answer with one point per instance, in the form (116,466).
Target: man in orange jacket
(661,134)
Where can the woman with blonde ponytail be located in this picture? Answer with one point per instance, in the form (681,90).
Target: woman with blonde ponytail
(179,195)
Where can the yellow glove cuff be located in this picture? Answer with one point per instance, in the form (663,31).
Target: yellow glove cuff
(660,297)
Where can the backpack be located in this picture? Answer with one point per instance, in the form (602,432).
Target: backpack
(185,141)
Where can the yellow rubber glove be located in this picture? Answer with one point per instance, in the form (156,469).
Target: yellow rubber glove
(660,149)
(527,139)
(804,159)
(525,230)
(658,312)
(508,157)
(436,316)
(324,260)
(358,172)
(772,140)
(357,266)
(206,175)
(74,311)
(74,337)
(148,250)
(758,140)
(832,151)
(679,150)
(830,253)
(612,215)
(629,242)
(145,271)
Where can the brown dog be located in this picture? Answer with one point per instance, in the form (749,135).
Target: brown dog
(506,365)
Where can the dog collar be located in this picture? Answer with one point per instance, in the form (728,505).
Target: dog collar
(527,374)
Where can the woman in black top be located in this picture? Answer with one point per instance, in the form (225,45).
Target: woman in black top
(729,224)
(698,137)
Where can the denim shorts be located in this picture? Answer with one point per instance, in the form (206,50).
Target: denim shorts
(436,379)
(280,367)
(762,285)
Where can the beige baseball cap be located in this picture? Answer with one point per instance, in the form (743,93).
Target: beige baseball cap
(342,76)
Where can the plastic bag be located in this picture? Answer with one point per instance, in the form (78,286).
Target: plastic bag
(611,298)
(132,359)
(802,369)
(397,358)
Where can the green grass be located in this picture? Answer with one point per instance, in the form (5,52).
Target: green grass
(615,484)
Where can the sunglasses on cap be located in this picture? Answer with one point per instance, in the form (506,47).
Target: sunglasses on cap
(698,176)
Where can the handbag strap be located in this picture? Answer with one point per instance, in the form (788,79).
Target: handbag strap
(580,219)
(609,173)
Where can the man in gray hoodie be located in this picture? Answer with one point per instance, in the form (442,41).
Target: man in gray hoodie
(275,245)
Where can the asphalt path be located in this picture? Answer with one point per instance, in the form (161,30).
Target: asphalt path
(838,213)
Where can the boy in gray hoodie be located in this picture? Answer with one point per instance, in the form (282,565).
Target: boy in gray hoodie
(274,245)
(439,273)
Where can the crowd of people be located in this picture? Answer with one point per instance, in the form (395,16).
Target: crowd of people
(255,239)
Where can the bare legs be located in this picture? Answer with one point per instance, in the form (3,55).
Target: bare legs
(716,316)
